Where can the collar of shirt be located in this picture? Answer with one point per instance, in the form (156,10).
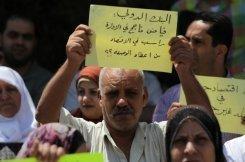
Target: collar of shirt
(138,144)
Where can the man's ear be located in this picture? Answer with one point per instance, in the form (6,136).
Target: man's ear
(221,50)
(145,96)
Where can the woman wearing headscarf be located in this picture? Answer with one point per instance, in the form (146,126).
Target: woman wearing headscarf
(17,111)
(87,85)
(193,135)
(53,137)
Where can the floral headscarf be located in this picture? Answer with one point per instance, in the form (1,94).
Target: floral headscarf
(55,134)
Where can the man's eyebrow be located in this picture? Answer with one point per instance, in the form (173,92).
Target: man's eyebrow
(23,33)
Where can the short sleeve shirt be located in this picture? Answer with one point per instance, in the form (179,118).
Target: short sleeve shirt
(148,144)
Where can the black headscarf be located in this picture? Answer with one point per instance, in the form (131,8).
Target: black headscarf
(208,123)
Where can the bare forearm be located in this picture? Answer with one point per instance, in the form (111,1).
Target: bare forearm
(194,92)
(53,96)
(183,57)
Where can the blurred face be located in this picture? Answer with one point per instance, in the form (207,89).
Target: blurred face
(88,98)
(18,42)
(201,42)
(122,98)
(10,99)
(192,146)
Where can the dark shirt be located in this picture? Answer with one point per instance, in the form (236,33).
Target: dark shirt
(35,79)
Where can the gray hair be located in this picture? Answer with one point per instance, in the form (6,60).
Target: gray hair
(105,69)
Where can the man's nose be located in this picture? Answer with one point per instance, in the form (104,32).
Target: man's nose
(190,148)
(85,98)
(20,40)
(122,102)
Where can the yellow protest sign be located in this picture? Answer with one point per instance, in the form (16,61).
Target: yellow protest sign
(131,38)
(81,157)
(227,97)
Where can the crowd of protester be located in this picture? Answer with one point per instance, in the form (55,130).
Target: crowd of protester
(122,113)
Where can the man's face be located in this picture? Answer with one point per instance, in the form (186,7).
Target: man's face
(201,42)
(18,42)
(122,98)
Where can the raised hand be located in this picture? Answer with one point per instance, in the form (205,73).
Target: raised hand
(181,53)
(78,44)
(45,152)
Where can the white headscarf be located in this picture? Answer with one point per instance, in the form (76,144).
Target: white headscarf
(17,128)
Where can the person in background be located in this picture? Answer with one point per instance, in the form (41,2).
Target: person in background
(87,85)
(210,37)
(17,111)
(18,41)
(232,9)
(193,135)
(52,137)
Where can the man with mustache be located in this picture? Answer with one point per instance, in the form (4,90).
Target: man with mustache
(120,136)
(210,37)
(18,41)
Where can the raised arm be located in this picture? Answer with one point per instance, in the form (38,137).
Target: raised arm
(182,56)
(53,96)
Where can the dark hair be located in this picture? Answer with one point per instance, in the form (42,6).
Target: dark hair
(22,16)
(185,18)
(208,123)
(221,29)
